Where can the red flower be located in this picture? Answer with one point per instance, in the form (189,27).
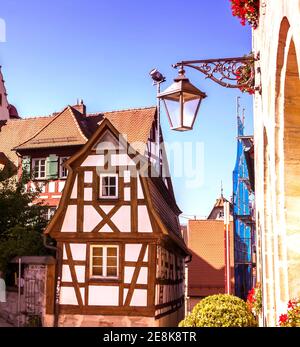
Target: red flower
(283,319)
(291,304)
(247,11)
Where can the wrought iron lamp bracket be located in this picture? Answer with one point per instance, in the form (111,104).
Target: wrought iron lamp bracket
(236,72)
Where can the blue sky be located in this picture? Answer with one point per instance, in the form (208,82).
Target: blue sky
(102,51)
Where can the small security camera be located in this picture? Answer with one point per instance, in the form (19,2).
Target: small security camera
(156,75)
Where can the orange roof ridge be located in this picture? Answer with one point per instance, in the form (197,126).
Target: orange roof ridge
(131,109)
(122,110)
(39,117)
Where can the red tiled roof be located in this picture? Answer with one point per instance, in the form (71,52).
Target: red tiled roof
(63,130)
(133,124)
(70,127)
(13,132)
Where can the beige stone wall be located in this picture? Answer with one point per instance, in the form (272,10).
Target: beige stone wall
(68,320)
(277,154)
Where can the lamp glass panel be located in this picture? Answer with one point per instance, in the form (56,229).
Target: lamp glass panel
(173,109)
(189,111)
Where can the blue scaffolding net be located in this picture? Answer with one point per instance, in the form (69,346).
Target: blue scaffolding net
(242,218)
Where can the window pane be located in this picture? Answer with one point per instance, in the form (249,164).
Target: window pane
(112,251)
(105,191)
(112,191)
(97,251)
(112,261)
(105,181)
(112,271)
(112,181)
(97,261)
(97,271)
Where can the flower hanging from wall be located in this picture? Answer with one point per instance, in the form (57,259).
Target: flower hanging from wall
(247,11)
(245,73)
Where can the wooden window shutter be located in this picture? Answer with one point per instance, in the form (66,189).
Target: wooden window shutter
(26,165)
(52,166)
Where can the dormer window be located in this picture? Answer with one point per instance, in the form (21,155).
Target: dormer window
(108,186)
(39,168)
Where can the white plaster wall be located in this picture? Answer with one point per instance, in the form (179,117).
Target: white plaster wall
(67,296)
(88,176)
(51,187)
(142,278)
(103,295)
(94,160)
(107,208)
(88,194)
(78,251)
(70,220)
(74,189)
(144,224)
(127,194)
(91,218)
(61,186)
(139,297)
(122,219)
(139,189)
(66,274)
(132,252)
(80,273)
(126,176)
(121,160)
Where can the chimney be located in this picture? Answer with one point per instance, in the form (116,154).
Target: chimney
(80,107)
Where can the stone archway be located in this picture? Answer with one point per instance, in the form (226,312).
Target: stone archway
(291,147)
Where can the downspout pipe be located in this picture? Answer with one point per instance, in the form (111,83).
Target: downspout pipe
(56,305)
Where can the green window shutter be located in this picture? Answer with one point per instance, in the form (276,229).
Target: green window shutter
(52,167)
(26,161)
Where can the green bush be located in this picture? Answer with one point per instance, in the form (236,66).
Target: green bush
(220,310)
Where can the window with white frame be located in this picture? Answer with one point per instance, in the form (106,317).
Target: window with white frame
(104,261)
(39,168)
(108,186)
(63,172)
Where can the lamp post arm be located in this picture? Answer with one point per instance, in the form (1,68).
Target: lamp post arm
(238,72)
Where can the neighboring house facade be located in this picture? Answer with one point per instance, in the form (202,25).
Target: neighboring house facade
(277,155)
(120,253)
(205,240)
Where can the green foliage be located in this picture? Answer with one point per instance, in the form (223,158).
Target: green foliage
(220,310)
(34,322)
(20,241)
(21,220)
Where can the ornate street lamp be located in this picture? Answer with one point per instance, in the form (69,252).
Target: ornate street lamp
(182,99)
(182,117)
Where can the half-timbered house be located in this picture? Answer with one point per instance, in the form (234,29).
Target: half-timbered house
(120,252)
